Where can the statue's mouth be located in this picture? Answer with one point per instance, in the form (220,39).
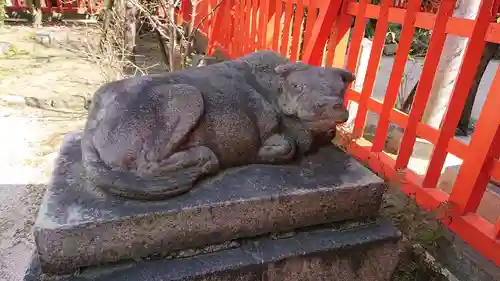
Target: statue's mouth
(323,124)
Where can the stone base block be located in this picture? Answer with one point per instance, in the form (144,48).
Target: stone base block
(79,225)
(360,252)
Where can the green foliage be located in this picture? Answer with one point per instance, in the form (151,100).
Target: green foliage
(420,40)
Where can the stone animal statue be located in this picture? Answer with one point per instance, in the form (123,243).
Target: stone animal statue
(152,137)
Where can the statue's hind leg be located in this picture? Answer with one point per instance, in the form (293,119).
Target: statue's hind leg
(179,172)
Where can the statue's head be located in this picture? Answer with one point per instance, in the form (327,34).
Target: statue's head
(314,94)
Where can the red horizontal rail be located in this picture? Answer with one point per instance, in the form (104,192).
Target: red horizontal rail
(456,26)
(76,6)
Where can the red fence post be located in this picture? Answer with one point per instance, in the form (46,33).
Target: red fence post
(357,36)
(314,47)
(398,69)
(297,24)
(286,28)
(218,26)
(436,44)
(474,173)
(371,73)
(464,81)
(277,24)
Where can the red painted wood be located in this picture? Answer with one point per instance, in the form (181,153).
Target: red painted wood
(343,26)
(398,69)
(314,48)
(474,173)
(332,44)
(245,27)
(457,148)
(338,31)
(371,73)
(312,15)
(240,34)
(425,85)
(297,26)
(253,34)
(456,26)
(264,9)
(286,29)
(216,33)
(357,36)
(463,83)
(277,24)
(474,230)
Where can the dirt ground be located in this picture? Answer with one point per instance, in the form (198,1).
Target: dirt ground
(43,89)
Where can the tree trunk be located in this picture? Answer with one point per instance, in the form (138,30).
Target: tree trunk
(449,66)
(130,30)
(172,35)
(163,48)
(488,54)
(463,126)
(107,22)
(37,13)
(190,38)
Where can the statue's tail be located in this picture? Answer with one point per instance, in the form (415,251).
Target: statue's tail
(129,185)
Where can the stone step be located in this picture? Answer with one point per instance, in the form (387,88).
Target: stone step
(360,252)
(79,225)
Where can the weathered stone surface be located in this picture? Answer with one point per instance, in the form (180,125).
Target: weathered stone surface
(366,252)
(79,225)
(153,137)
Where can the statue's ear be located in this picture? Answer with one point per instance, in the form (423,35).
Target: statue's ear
(346,75)
(287,68)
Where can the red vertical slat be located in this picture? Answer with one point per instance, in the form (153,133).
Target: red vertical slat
(218,34)
(396,74)
(332,43)
(240,16)
(253,24)
(245,26)
(426,79)
(286,28)
(313,53)
(337,33)
(186,10)
(357,36)
(474,173)
(297,25)
(277,24)
(311,19)
(464,81)
(211,15)
(233,21)
(264,20)
(371,73)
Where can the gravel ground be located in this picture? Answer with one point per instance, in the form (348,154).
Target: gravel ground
(42,93)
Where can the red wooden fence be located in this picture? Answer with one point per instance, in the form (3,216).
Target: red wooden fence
(59,6)
(244,26)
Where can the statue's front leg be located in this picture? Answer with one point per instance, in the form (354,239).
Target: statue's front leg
(278,148)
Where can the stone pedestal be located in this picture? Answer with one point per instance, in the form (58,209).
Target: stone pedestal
(79,226)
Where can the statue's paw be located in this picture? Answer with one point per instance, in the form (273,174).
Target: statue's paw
(278,148)
(208,161)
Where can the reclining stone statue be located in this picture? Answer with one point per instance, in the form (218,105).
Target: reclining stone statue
(153,137)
